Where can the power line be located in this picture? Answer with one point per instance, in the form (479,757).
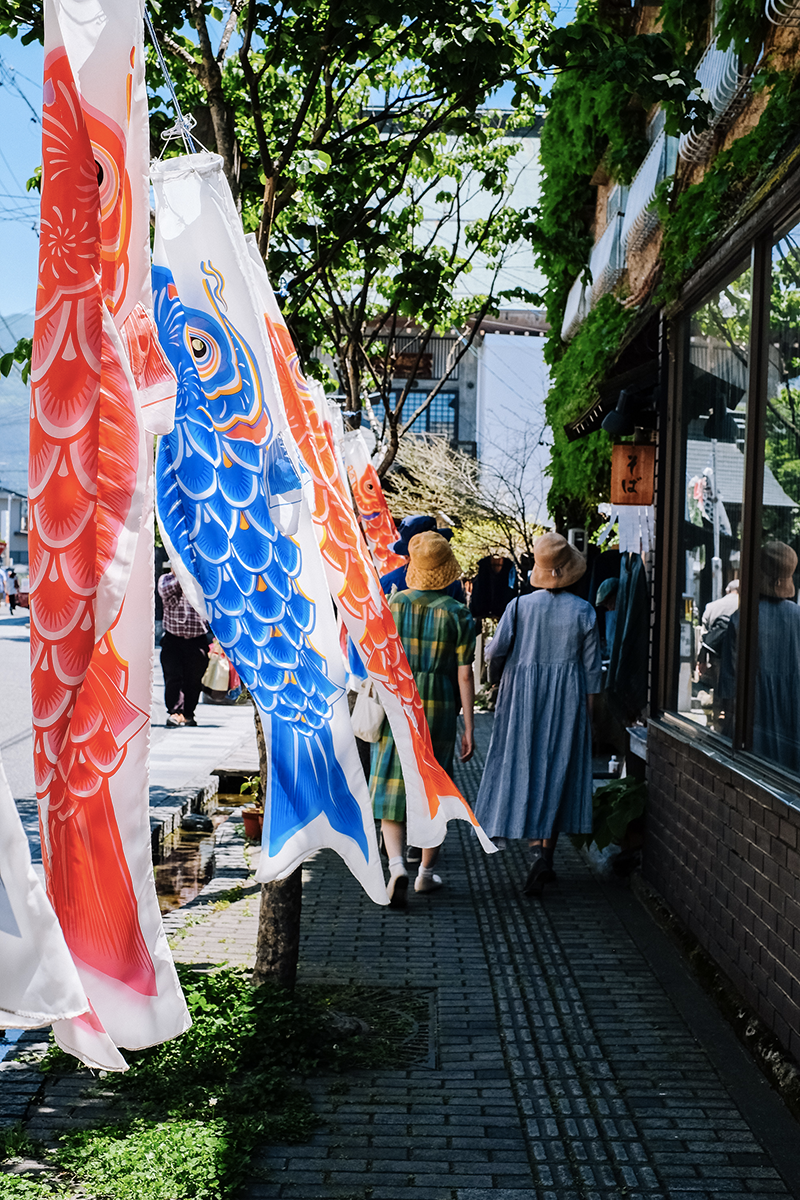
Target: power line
(8,76)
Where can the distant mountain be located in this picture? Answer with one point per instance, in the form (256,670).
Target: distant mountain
(14,408)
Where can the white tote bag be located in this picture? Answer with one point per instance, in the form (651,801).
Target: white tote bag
(368,714)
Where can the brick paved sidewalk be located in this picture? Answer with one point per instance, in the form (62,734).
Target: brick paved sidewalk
(560,1060)
(563,1069)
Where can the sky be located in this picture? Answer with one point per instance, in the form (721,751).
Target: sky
(20,155)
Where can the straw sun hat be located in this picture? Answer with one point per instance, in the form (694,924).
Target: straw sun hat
(432,563)
(778,565)
(557,564)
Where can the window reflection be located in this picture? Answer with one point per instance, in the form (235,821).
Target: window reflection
(776,732)
(715,403)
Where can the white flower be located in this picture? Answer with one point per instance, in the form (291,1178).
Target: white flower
(672,80)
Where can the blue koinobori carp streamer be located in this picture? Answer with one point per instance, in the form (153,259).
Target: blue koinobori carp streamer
(232,507)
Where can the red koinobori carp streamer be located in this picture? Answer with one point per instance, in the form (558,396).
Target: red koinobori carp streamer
(433,798)
(100,381)
(376,520)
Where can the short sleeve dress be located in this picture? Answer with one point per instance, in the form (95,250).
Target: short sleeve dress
(538,775)
(438,636)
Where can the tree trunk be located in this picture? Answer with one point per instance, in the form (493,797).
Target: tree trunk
(278,945)
(278,941)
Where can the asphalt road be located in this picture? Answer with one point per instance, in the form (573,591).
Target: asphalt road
(16,743)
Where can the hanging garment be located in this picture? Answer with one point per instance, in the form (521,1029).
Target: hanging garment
(605,566)
(627,671)
(97,370)
(433,798)
(233,507)
(376,520)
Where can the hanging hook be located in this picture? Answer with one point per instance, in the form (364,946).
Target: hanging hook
(181,128)
(183,125)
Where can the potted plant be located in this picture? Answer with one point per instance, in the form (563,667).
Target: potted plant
(252,808)
(618,819)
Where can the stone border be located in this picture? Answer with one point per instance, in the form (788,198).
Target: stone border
(231,871)
(170,808)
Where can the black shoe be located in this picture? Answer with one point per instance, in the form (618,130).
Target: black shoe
(549,875)
(537,877)
(413,854)
(190,721)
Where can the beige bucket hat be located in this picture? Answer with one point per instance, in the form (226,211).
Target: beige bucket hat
(432,564)
(557,564)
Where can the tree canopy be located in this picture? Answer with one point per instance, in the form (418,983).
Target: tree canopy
(355,137)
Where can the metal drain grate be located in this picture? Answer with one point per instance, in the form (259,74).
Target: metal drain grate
(418,1048)
(402,1020)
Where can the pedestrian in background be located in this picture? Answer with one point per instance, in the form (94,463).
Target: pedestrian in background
(438,637)
(410,527)
(537,782)
(184,652)
(12,588)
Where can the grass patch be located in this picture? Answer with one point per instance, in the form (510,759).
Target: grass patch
(160,1161)
(201,1105)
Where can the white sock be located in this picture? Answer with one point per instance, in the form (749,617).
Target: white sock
(425,872)
(395,863)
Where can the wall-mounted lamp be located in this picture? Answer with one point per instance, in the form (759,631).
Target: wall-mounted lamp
(619,422)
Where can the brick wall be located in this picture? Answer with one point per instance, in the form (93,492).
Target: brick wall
(724,853)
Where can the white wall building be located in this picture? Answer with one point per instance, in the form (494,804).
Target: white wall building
(493,404)
(13,528)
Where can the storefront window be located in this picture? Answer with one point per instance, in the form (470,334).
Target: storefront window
(776,723)
(715,410)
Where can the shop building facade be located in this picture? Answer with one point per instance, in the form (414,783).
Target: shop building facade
(713,363)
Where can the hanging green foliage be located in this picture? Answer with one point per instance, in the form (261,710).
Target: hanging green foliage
(685,23)
(580,471)
(695,219)
(607,83)
(741,24)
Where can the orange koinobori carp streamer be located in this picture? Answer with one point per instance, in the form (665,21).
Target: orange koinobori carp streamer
(376,520)
(100,384)
(432,797)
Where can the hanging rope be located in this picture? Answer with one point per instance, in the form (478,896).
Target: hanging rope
(183,125)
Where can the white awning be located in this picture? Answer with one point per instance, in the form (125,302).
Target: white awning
(576,309)
(641,218)
(720,74)
(606,264)
(607,261)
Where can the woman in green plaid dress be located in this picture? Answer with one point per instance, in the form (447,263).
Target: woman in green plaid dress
(438,637)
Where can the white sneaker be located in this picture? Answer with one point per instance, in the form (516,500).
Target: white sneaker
(397,887)
(427,883)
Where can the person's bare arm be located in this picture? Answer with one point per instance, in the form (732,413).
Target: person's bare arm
(466,687)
